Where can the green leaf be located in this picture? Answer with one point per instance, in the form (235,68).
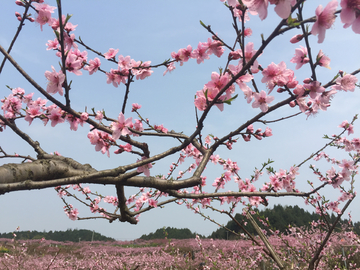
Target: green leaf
(57,35)
(203,24)
(68,16)
(228,101)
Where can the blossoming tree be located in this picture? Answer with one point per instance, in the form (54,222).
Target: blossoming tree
(242,75)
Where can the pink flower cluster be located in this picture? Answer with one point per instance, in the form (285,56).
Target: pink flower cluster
(101,140)
(282,180)
(126,65)
(282,8)
(71,212)
(202,52)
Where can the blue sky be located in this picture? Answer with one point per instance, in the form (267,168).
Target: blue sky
(151,31)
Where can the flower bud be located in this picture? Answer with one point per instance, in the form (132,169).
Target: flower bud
(292,104)
(258,137)
(246,138)
(234,55)
(296,39)
(247,32)
(19,3)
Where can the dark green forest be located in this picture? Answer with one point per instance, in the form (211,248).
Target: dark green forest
(172,233)
(279,218)
(68,235)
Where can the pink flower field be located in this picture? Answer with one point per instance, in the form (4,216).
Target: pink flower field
(295,249)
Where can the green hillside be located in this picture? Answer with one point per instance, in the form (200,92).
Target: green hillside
(172,233)
(279,218)
(68,235)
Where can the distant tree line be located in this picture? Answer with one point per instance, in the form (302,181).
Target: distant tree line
(279,219)
(172,233)
(62,236)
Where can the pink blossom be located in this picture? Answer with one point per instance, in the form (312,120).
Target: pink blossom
(93,66)
(249,53)
(56,117)
(111,53)
(70,41)
(324,19)
(124,62)
(218,81)
(232,3)
(135,107)
(268,132)
(117,76)
(283,7)
(214,47)
(239,14)
(235,55)
(347,165)
(323,60)
(32,112)
(18,91)
(55,25)
(74,63)
(141,70)
(182,55)
(72,214)
(247,32)
(161,128)
(276,75)
(74,122)
(200,101)
(257,7)
(242,79)
(127,147)
(350,14)
(101,141)
(349,127)
(152,203)
(255,200)
(262,100)
(86,190)
(44,14)
(120,128)
(111,199)
(138,126)
(11,106)
(99,116)
(145,168)
(319,103)
(345,83)
(300,57)
(169,68)
(200,53)
(208,140)
(56,79)
(314,89)
(84,116)
(52,44)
